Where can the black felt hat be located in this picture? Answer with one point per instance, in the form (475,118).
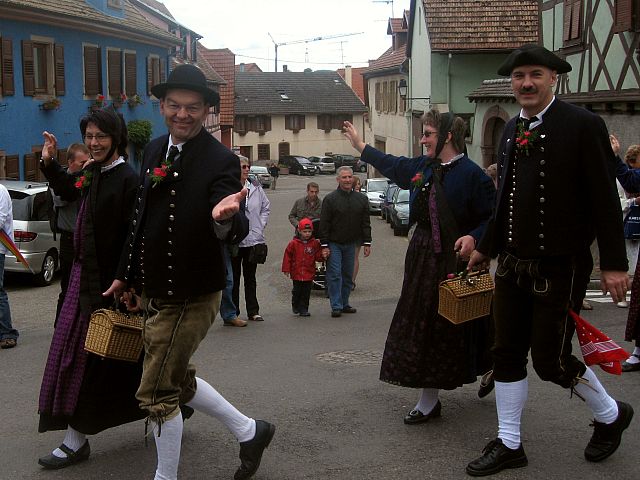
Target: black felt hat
(532,54)
(187,77)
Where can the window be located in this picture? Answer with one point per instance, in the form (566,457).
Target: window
(324,122)
(328,122)
(156,71)
(378,97)
(294,122)
(42,68)
(572,27)
(338,120)
(130,74)
(625,16)
(114,73)
(264,151)
(6,67)
(259,123)
(385,97)
(393,97)
(92,57)
(240,124)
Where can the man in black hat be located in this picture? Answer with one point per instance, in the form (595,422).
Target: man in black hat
(189,202)
(556,194)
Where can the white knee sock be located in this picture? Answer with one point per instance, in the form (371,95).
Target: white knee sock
(604,408)
(428,400)
(510,400)
(208,400)
(168,448)
(72,439)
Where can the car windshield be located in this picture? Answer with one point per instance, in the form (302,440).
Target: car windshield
(257,169)
(403,196)
(376,186)
(303,161)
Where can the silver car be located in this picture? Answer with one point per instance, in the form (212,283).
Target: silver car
(262,175)
(374,189)
(323,164)
(32,208)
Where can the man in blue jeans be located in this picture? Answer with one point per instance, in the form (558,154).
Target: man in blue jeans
(8,334)
(227,307)
(344,225)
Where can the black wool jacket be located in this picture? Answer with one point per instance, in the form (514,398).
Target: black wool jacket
(345,218)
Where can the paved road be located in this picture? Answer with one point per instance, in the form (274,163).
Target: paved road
(316,378)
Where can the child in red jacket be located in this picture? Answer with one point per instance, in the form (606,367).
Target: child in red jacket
(299,264)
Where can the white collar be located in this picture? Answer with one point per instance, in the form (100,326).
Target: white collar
(453,159)
(114,164)
(171,144)
(538,115)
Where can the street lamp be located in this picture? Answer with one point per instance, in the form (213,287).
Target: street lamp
(402,90)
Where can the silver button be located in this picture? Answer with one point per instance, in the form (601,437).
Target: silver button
(541,212)
(541,247)
(170,267)
(541,199)
(170,242)
(135,222)
(172,205)
(169,254)
(542,174)
(541,187)
(542,162)
(173,193)
(510,239)
(541,235)
(170,292)
(172,218)
(170,230)
(542,149)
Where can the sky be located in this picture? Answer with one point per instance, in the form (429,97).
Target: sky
(243,26)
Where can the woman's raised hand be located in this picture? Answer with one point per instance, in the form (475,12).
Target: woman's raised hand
(351,133)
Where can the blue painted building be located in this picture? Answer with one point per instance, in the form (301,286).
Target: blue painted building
(59,58)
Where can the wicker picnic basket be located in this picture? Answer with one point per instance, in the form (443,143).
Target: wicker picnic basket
(116,335)
(466,297)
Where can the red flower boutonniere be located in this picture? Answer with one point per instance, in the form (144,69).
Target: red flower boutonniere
(417,180)
(83,181)
(159,173)
(525,139)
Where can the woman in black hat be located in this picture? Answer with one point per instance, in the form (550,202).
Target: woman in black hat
(451,200)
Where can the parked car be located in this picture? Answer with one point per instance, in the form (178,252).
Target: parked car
(386,200)
(399,212)
(323,164)
(298,164)
(345,160)
(32,208)
(261,174)
(373,188)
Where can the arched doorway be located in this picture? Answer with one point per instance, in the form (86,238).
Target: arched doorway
(493,125)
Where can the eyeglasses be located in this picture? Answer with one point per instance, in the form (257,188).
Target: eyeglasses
(191,109)
(426,134)
(100,137)
(245,167)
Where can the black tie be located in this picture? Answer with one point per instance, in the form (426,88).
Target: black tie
(173,153)
(526,122)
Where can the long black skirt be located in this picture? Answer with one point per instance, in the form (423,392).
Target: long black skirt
(423,349)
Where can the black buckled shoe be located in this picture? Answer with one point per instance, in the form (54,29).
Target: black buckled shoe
(51,462)
(416,416)
(487,384)
(496,457)
(606,437)
(251,451)
(631,367)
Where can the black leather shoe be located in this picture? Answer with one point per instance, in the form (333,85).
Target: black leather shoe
(606,437)
(496,457)
(51,462)
(305,314)
(631,367)
(349,309)
(336,313)
(251,451)
(186,411)
(295,310)
(416,416)
(486,384)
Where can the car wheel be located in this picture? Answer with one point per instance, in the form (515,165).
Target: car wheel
(49,264)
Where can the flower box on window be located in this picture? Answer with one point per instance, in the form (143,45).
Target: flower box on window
(52,103)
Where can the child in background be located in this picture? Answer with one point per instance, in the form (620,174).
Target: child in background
(299,264)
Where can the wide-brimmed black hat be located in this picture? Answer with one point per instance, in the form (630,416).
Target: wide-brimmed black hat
(187,77)
(532,54)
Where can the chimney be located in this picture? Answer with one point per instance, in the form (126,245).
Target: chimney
(347,75)
(242,66)
(285,68)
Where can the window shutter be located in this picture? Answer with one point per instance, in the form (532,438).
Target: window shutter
(301,122)
(149,75)
(7,68)
(576,15)
(130,75)
(114,69)
(58,60)
(28,73)
(92,71)
(623,16)
(566,20)
(163,70)
(12,167)
(267,124)
(30,167)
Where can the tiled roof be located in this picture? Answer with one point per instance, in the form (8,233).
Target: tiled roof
(499,88)
(388,60)
(222,60)
(248,67)
(159,6)
(206,67)
(357,80)
(395,26)
(56,10)
(481,25)
(306,92)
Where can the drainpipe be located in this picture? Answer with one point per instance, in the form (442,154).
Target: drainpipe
(449,81)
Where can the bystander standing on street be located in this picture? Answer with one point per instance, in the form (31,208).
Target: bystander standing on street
(344,225)
(8,334)
(308,206)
